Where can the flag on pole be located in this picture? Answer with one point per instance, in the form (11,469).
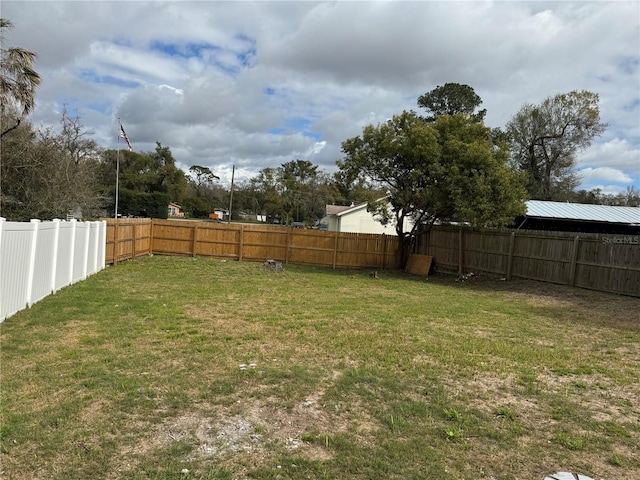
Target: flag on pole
(124,135)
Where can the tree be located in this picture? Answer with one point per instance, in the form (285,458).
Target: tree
(76,141)
(42,177)
(203,177)
(446,170)
(452,99)
(18,79)
(545,139)
(148,181)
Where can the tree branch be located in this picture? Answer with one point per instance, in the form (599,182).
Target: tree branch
(11,128)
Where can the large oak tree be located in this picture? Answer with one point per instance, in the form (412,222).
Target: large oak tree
(447,170)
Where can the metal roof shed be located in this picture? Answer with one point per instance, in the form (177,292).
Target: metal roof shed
(578,217)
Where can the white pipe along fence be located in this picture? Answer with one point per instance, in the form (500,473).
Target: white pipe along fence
(39,258)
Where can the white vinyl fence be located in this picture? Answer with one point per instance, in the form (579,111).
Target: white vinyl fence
(39,258)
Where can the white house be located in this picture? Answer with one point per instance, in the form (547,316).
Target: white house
(356,219)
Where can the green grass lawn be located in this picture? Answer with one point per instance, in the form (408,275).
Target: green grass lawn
(182,368)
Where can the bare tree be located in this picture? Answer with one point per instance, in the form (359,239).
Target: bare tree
(545,139)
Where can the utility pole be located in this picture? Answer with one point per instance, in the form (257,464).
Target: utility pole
(233,173)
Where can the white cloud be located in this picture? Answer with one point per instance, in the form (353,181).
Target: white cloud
(249,82)
(603,174)
(617,153)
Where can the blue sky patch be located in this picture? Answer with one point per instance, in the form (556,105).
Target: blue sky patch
(296,125)
(629,65)
(188,50)
(93,77)
(245,56)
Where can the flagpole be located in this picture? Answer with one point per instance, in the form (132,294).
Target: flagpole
(117,170)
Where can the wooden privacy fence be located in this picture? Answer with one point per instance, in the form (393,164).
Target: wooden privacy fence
(609,263)
(131,238)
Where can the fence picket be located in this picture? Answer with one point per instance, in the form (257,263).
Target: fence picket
(38,258)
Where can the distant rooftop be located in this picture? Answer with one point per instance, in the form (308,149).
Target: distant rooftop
(583,212)
(341,209)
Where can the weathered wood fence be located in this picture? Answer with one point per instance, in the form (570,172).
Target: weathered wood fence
(131,238)
(609,263)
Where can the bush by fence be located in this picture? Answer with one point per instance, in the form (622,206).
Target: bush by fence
(609,263)
(38,258)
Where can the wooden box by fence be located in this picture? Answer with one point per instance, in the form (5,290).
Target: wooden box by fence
(609,263)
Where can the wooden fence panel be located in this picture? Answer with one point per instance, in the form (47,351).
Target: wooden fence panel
(611,267)
(486,253)
(310,247)
(539,257)
(173,237)
(127,238)
(442,245)
(213,240)
(262,243)
(594,261)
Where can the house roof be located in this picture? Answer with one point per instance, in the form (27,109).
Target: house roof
(340,210)
(583,212)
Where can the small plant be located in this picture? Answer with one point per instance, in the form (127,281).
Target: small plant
(453,432)
(616,460)
(581,384)
(453,414)
(569,441)
(529,380)
(308,437)
(505,413)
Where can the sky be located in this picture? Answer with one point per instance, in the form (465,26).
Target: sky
(258,84)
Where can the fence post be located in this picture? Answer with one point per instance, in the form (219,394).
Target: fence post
(93,248)
(574,261)
(151,237)
(115,241)
(85,253)
(241,243)
(510,258)
(195,238)
(286,253)
(32,261)
(384,251)
(335,249)
(103,244)
(72,249)
(460,259)
(54,261)
(133,246)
